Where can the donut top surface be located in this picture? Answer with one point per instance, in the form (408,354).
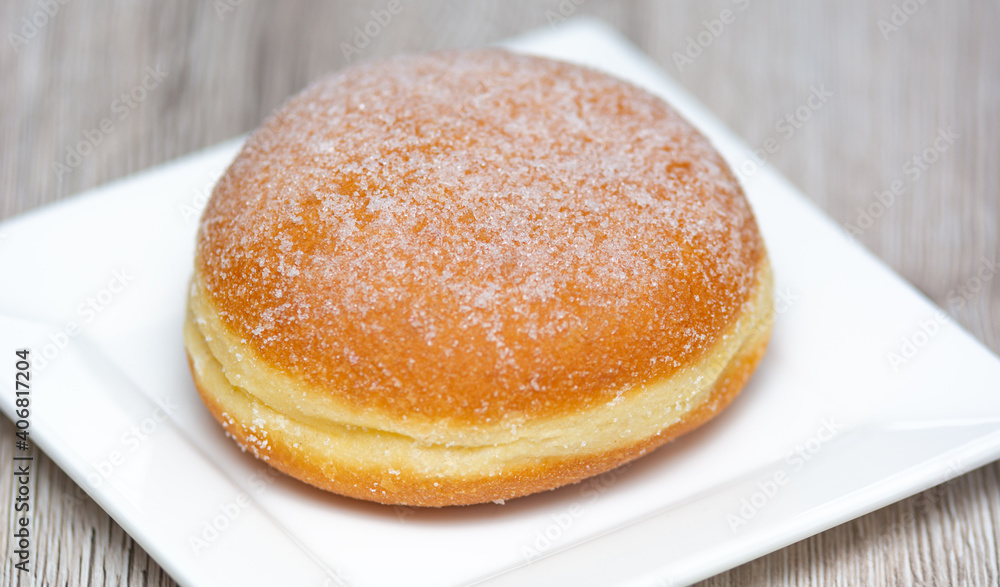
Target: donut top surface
(474,234)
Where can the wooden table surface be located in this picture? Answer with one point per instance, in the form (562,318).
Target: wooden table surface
(899,73)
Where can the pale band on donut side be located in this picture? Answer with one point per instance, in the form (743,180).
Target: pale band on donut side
(368,459)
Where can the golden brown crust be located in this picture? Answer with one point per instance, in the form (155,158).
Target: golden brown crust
(558,237)
(463,277)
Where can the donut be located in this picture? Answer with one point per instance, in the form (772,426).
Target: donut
(463,277)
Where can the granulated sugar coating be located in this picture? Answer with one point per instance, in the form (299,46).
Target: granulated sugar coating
(478,234)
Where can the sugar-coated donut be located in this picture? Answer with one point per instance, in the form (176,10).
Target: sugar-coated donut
(465,277)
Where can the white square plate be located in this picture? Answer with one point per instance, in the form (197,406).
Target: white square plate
(832,426)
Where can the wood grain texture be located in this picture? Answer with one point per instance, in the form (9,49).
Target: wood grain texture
(892,93)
